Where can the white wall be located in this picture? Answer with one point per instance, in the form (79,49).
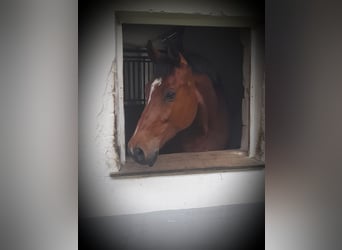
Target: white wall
(99,194)
(213,7)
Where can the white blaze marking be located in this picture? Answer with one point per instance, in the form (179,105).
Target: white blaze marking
(156,82)
(136,129)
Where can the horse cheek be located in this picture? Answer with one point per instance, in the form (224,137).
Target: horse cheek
(186,109)
(192,110)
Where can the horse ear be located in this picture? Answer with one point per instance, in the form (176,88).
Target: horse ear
(152,52)
(182,60)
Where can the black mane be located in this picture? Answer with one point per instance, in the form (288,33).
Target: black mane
(166,65)
(201,65)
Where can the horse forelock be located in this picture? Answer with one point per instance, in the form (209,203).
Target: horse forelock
(154,84)
(165,66)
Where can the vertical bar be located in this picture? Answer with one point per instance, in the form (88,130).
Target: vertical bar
(137,83)
(139,80)
(131,81)
(134,80)
(144,82)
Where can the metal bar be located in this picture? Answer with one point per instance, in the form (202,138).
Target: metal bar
(144,82)
(137,72)
(139,81)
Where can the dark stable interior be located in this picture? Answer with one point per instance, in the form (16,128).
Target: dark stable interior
(220,46)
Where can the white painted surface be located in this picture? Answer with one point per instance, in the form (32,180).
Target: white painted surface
(140,195)
(213,7)
(257,81)
(119,96)
(99,194)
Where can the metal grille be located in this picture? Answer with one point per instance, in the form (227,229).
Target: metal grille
(138,70)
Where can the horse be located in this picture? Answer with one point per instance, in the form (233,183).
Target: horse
(182,103)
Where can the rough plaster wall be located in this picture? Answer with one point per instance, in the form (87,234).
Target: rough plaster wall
(96,107)
(106,120)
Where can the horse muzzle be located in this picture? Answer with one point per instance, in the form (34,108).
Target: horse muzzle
(139,156)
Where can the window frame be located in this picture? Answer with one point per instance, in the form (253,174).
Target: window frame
(252,141)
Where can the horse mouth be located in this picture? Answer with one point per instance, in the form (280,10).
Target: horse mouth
(150,160)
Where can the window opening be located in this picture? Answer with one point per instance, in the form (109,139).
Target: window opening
(221,46)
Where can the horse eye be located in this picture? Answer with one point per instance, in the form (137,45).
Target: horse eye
(170,96)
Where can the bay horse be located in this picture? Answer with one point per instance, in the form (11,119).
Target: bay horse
(183,104)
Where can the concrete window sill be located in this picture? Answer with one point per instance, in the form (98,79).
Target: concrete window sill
(190,163)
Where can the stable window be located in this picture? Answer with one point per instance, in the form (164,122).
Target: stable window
(235,48)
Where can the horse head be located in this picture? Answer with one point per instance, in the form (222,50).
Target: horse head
(172,103)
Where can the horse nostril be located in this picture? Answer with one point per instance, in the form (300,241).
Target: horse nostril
(138,154)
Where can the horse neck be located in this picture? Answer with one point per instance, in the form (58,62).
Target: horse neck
(206,123)
(208,104)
